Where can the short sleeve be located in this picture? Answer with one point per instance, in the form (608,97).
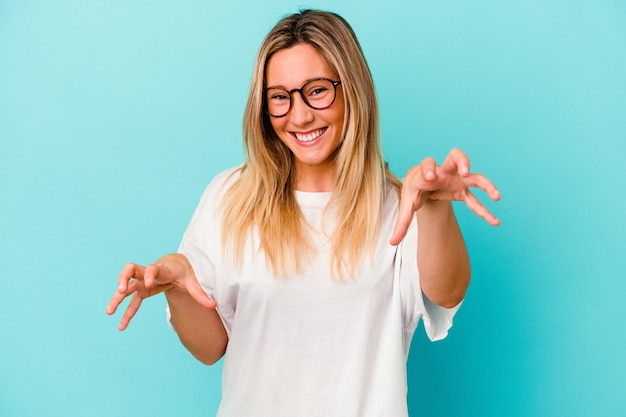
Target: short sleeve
(198,245)
(437,319)
(199,240)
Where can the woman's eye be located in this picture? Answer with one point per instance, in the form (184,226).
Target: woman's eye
(317,91)
(279,97)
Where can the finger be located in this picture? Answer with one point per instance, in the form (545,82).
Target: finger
(150,275)
(484,183)
(457,162)
(119,297)
(197,293)
(114,303)
(407,206)
(429,169)
(129,271)
(479,209)
(400,229)
(131,310)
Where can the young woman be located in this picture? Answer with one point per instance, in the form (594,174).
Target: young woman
(302,267)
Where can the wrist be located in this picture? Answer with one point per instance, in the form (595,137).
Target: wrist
(175,295)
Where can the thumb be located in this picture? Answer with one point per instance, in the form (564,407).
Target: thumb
(405,214)
(197,293)
(176,269)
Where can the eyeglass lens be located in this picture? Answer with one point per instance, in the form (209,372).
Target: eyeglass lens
(317,94)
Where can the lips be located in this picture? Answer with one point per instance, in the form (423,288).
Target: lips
(309,136)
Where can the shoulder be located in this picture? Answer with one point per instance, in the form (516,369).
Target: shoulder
(215,190)
(221,182)
(226,178)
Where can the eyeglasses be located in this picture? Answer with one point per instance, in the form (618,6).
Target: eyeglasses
(318,94)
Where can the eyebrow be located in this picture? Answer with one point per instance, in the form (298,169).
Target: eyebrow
(282,87)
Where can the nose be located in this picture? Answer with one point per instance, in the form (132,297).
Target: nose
(300,113)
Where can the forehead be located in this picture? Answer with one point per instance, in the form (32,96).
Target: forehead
(294,66)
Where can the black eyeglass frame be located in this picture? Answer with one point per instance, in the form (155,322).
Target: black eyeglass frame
(299,90)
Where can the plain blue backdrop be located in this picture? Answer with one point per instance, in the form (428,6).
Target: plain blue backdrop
(114,115)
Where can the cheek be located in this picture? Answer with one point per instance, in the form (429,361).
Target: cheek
(280,137)
(339,117)
(334,114)
(277,124)
(340,109)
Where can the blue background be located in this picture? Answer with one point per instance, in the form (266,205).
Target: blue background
(114,115)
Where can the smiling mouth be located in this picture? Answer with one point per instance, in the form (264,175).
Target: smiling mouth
(311,136)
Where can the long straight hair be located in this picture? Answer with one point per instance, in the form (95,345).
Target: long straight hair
(262,198)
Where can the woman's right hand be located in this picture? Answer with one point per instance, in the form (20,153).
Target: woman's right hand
(170,273)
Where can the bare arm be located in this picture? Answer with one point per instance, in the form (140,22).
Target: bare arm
(442,257)
(199,328)
(193,313)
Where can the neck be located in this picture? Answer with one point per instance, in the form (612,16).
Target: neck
(315,178)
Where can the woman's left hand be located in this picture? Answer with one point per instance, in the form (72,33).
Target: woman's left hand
(449,182)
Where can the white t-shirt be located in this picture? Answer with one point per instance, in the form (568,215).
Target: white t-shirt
(311,345)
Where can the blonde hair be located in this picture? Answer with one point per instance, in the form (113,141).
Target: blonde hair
(263,196)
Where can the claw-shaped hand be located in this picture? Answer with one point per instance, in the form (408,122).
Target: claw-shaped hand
(451,181)
(170,272)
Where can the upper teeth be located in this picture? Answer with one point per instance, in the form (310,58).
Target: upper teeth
(309,136)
